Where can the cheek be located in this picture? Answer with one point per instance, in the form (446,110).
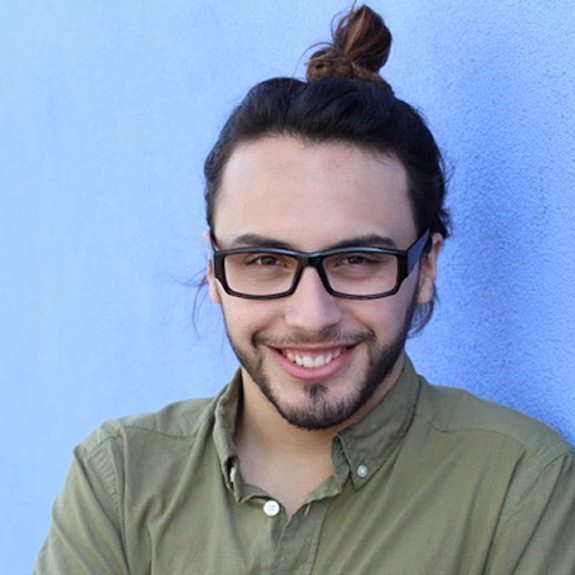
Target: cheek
(383,317)
(244,317)
(388,317)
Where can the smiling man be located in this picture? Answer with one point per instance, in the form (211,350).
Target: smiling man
(322,355)
(327,453)
(312,357)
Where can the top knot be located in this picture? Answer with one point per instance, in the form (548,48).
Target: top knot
(360,47)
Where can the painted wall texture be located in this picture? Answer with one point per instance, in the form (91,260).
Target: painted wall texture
(107,110)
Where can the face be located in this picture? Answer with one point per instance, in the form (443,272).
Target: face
(317,360)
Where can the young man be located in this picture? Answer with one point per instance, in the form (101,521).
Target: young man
(327,453)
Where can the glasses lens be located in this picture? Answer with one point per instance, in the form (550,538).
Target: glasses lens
(362,272)
(259,273)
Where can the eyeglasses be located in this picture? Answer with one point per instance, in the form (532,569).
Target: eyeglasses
(263,273)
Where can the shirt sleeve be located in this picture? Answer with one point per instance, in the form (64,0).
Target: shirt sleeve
(539,534)
(86,536)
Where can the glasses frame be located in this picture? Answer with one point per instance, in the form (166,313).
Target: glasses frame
(406,261)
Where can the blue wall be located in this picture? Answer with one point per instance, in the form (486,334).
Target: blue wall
(107,110)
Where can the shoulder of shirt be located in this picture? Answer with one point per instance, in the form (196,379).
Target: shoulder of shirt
(452,410)
(177,421)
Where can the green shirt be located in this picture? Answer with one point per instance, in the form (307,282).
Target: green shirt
(432,481)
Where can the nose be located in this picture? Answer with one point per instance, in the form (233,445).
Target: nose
(311,308)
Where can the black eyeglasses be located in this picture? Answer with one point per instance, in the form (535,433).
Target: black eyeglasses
(263,273)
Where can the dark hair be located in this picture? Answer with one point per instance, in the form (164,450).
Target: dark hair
(344,100)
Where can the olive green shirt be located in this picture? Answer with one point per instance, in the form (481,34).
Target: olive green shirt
(432,481)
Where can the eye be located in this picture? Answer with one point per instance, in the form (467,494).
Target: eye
(361,264)
(358,259)
(263,260)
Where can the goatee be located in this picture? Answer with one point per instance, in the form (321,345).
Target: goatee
(321,412)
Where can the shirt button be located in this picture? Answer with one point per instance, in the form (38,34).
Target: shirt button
(271,508)
(362,471)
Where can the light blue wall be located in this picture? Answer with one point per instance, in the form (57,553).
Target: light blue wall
(107,110)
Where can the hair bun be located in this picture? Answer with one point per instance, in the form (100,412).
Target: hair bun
(360,47)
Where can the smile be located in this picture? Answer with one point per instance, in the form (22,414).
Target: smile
(309,361)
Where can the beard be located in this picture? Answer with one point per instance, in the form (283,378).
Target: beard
(321,412)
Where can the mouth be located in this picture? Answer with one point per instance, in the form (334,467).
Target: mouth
(311,360)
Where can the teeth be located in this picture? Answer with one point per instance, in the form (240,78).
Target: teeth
(308,361)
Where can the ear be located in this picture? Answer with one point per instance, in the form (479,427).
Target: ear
(210,278)
(428,270)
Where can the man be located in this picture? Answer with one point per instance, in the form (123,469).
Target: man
(327,453)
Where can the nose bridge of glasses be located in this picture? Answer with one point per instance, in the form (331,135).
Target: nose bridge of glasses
(311,261)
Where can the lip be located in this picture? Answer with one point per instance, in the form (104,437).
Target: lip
(331,369)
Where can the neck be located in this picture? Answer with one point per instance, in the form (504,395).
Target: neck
(284,460)
(261,428)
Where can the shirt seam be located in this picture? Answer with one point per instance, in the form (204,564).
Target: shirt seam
(530,487)
(98,458)
(553,450)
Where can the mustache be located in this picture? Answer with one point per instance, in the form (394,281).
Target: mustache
(329,337)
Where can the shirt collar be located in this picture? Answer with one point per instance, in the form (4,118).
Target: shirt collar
(361,449)
(357,452)
(225,415)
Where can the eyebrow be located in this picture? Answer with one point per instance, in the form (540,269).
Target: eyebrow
(260,241)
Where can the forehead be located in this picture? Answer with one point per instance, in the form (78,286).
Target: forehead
(312,195)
